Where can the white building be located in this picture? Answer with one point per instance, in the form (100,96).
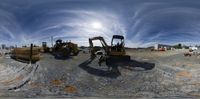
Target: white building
(3,46)
(193,48)
(162,46)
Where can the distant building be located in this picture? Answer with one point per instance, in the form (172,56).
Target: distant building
(193,48)
(11,47)
(3,46)
(162,47)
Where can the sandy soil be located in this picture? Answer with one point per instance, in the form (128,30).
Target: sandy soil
(149,74)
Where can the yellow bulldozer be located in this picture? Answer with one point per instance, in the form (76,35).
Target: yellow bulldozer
(64,49)
(114,53)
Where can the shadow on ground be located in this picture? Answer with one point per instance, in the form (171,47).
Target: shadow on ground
(130,65)
(98,72)
(60,57)
(114,72)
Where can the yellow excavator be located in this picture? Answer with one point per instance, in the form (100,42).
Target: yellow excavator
(114,53)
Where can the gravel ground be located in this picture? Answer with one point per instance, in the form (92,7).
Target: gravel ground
(153,75)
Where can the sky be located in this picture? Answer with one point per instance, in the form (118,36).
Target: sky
(143,23)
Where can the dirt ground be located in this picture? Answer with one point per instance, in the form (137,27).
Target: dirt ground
(149,74)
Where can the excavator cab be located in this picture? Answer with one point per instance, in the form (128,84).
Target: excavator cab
(58,42)
(117,45)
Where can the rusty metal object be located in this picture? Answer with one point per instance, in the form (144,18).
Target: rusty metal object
(70,89)
(187,54)
(56,82)
(184,74)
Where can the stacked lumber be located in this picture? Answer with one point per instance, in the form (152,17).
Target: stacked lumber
(25,54)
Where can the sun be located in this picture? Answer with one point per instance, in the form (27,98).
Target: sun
(96,25)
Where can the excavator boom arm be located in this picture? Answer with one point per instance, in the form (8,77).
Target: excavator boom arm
(101,39)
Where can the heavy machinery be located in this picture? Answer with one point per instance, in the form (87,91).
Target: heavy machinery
(45,49)
(64,49)
(114,53)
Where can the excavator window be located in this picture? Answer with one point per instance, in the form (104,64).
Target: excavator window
(117,44)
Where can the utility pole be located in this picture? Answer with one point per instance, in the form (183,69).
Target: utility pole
(52,41)
(31,52)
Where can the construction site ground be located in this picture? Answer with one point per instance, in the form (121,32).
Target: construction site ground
(154,74)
